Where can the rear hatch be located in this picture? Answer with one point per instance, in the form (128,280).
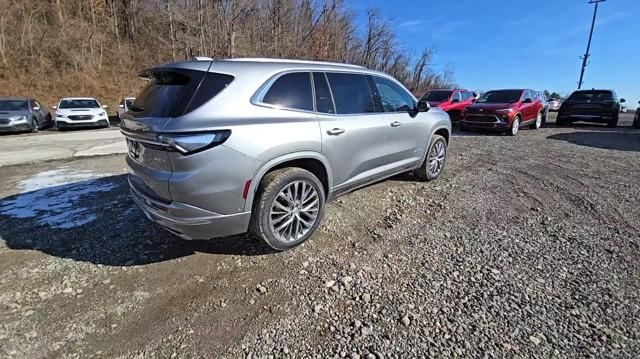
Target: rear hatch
(172,91)
(589,103)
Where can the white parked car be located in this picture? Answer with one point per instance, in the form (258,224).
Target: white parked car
(80,112)
(124,105)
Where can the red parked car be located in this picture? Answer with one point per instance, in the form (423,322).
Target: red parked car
(451,101)
(505,110)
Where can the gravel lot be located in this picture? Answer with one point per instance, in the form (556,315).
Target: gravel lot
(526,247)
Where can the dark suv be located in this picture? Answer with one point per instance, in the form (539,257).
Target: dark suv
(601,106)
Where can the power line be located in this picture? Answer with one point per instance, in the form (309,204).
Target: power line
(585,58)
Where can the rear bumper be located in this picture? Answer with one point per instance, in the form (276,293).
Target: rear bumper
(187,221)
(606,117)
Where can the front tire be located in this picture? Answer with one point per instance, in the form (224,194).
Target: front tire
(34,126)
(288,208)
(515,126)
(435,161)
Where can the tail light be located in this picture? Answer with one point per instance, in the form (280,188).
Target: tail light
(190,143)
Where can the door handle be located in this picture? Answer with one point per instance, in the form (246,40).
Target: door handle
(335,131)
(396,124)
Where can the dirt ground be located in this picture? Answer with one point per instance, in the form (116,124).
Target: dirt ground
(527,247)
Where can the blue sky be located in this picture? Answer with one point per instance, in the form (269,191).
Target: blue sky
(521,43)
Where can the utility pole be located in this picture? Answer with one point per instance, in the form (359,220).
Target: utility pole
(585,58)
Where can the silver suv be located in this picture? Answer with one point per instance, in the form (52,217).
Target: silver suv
(222,147)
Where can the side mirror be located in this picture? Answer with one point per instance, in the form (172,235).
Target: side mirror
(527,101)
(473,100)
(622,100)
(121,106)
(54,107)
(455,100)
(36,108)
(422,106)
(105,106)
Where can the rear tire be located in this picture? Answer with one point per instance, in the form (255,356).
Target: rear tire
(613,123)
(434,163)
(280,200)
(636,122)
(538,122)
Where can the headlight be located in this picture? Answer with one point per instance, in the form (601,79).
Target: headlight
(59,115)
(190,143)
(20,119)
(102,113)
(507,110)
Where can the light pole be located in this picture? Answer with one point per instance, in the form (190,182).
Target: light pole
(585,58)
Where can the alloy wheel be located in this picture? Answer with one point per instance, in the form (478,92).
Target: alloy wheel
(539,120)
(515,126)
(437,156)
(294,211)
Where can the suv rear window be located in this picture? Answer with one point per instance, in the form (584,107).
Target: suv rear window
(172,93)
(592,96)
(291,91)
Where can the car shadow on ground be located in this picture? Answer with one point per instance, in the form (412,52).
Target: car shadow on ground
(606,138)
(96,221)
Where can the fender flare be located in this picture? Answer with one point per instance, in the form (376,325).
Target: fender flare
(267,166)
(437,128)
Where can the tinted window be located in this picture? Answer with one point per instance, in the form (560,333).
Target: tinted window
(465,95)
(13,105)
(167,94)
(211,85)
(291,91)
(456,96)
(394,98)
(591,95)
(351,93)
(436,96)
(501,96)
(324,102)
(172,93)
(79,104)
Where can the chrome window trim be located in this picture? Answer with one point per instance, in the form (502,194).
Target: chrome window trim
(258,96)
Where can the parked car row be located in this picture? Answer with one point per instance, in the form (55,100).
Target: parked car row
(21,114)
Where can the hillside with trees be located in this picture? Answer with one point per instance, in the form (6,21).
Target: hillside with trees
(55,48)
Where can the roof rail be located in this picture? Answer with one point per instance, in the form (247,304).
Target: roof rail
(292,61)
(202,58)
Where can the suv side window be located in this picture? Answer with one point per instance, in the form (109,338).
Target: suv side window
(456,96)
(292,91)
(394,98)
(324,100)
(351,93)
(526,95)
